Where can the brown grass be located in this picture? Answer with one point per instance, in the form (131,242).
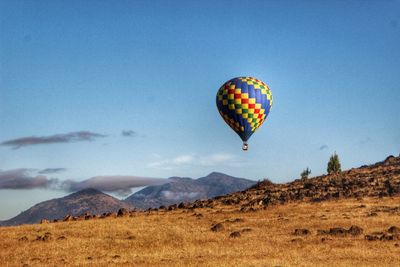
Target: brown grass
(180,238)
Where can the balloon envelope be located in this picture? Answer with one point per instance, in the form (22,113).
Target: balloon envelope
(244,104)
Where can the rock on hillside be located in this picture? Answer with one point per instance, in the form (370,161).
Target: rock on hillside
(187,189)
(85,201)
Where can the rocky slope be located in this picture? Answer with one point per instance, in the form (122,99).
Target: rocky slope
(84,201)
(186,189)
(378,180)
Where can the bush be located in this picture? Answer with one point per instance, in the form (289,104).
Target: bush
(304,175)
(334,164)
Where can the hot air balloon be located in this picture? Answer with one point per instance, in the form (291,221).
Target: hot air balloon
(244,104)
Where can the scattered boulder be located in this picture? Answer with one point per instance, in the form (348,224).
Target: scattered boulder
(301,232)
(390,237)
(23,239)
(45,237)
(68,218)
(322,232)
(355,230)
(371,237)
(394,230)
(235,234)
(339,231)
(122,212)
(391,234)
(217,227)
(172,207)
(87,216)
(44,221)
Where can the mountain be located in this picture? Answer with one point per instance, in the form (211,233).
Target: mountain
(182,189)
(85,201)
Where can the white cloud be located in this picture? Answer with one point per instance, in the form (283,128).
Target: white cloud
(196,160)
(179,195)
(118,184)
(185,159)
(168,164)
(215,159)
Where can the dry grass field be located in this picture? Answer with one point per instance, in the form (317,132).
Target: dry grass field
(184,237)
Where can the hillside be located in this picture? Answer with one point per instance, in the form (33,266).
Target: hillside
(181,189)
(294,234)
(84,201)
(347,219)
(377,180)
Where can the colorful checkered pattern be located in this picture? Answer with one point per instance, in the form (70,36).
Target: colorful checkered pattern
(244,104)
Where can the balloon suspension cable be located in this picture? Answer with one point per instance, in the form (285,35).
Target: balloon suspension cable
(245,146)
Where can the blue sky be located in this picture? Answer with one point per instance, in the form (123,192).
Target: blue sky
(154,67)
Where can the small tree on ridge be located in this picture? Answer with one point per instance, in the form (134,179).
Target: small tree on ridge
(334,164)
(305,173)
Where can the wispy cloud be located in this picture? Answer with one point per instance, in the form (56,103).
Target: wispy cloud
(179,195)
(24,179)
(52,170)
(216,159)
(52,139)
(128,133)
(115,183)
(196,160)
(29,179)
(184,159)
(323,147)
(169,163)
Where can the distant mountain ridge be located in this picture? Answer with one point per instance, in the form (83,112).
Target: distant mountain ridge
(85,201)
(183,189)
(179,189)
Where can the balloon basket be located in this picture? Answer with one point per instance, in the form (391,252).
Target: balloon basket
(245,146)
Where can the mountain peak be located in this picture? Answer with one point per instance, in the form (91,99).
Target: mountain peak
(88,191)
(186,189)
(216,175)
(87,200)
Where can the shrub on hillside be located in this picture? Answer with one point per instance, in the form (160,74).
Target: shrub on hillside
(334,164)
